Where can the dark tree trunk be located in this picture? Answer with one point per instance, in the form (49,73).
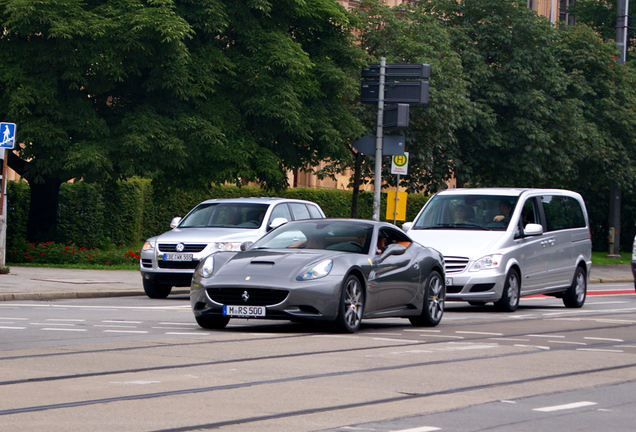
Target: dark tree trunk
(357,176)
(43,210)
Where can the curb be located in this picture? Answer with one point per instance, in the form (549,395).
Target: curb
(65,295)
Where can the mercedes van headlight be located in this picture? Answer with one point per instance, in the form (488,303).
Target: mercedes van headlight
(487,262)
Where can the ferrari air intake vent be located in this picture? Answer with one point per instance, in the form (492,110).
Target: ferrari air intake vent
(247,296)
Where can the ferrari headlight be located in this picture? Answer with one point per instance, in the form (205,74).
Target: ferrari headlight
(487,262)
(226,246)
(149,245)
(207,268)
(318,271)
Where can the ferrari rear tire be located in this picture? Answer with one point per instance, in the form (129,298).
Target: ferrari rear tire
(212,322)
(434,298)
(155,290)
(351,305)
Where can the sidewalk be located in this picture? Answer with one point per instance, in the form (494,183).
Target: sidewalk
(41,283)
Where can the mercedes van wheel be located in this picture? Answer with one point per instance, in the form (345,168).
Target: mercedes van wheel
(509,300)
(575,295)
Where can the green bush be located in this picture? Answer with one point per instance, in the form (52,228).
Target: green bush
(97,223)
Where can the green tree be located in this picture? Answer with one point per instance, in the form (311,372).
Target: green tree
(408,34)
(186,92)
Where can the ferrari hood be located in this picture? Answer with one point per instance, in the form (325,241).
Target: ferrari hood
(272,263)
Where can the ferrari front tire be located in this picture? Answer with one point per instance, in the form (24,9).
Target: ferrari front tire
(212,322)
(351,305)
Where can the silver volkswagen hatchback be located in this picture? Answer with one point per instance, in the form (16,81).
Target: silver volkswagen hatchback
(169,259)
(503,244)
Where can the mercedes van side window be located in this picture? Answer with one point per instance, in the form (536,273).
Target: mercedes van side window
(562,212)
(529,215)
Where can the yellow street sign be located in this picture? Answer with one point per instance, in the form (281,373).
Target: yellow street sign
(391,212)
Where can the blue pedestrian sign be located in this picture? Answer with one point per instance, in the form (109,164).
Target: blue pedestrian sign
(7,132)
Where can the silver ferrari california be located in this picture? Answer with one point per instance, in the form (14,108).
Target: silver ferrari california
(333,270)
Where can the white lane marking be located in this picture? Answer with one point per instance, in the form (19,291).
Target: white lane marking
(479,333)
(565,407)
(604,339)
(121,322)
(421,330)
(113,326)
(382,334)
(12,328)
(55,324)
(545,336)
(126,331)
(394,340)
(14,319)
(589,311)
(336,336)
(511,339)
(607,302)
(136,382)
(569,343)
(64,329)
(66,319)
(443,336)
(57,306)
(599,350)
(418,429)
(178,324)
(533,346)
(626,346)
(189,333)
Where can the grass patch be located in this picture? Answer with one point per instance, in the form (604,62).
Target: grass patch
(599,258)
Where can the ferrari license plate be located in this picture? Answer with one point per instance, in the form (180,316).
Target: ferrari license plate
(244,311)
(177,257)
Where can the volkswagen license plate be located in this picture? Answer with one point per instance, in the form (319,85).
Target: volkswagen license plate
(177,257)
(244,311)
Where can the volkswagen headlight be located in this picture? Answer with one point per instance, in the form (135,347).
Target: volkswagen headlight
(487,262)
(317,271)
(148,246)
(207,268)
(226,246)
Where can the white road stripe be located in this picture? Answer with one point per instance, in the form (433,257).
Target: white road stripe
(12,328)
(126,331)
(64,329)
(479,333)
(599,350)
(604,339)
(565,407)
(419,429)
(545,336)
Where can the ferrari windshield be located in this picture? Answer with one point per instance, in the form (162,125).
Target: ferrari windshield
(469,212)
(348,236)
(226,215)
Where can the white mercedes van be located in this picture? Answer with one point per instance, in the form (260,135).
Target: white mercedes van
(502,244)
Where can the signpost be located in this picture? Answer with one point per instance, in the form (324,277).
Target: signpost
(412,91)
(7,132)
(399,166)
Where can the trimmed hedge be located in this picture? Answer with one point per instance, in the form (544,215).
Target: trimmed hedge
(127,212)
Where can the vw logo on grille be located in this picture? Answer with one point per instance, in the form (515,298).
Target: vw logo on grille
(245,296)
(180,247)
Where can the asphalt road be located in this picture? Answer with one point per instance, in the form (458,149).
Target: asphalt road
(136,364)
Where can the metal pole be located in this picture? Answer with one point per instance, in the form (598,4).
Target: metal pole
(622,15)
(397,189)
(377,183)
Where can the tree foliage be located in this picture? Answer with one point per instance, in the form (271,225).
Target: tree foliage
(186,92)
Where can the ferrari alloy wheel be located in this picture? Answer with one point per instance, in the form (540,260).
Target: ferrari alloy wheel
(434,298)
(212,322)
(509,300)
(575,295)
(351,305)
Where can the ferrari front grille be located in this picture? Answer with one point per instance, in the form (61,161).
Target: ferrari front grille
(247,296)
